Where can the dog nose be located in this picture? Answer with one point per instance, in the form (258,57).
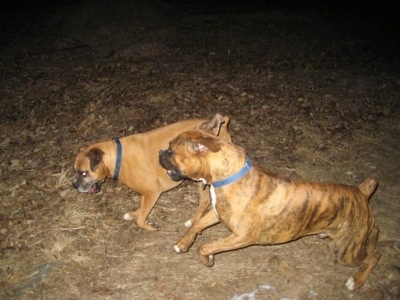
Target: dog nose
(165,152)
(75,184)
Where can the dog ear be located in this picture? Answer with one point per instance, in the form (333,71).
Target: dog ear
(368,187)
(214,125)
(81,149)
(205,143)
(95,157)
(223,132)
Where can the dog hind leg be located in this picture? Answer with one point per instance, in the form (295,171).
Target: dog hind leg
(369,262)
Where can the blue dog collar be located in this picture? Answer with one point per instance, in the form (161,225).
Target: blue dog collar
(246,168)
(119,157)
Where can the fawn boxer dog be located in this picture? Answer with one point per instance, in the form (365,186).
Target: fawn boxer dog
(260,207)
(133,160)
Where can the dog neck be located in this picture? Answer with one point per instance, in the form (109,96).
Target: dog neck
(118,159)
(246,168)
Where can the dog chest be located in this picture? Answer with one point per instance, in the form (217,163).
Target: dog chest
(213,197)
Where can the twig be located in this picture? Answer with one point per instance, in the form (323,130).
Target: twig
(67,229)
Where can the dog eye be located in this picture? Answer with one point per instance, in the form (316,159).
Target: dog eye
(83,174)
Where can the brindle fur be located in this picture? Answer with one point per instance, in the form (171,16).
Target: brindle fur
(265,208)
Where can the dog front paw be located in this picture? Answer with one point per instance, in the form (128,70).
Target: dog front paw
(132,215)
(180,248)
(127,217)
(350,284)
(207,260)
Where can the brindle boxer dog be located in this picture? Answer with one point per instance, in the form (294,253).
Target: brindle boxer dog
(133,160)
(260,207)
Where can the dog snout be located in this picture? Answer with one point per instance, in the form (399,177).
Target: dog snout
(163,158)
(75,183)
(165,152)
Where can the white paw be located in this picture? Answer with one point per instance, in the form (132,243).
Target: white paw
(127,217)
(210,260)
(350,284)
(188,223)
(176,248)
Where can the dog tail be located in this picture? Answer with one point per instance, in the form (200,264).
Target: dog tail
(368,186)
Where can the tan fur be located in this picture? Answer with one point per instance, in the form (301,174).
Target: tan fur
(140,169)
(264,208)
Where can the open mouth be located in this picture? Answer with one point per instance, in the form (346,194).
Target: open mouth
(175,175)
(95,188)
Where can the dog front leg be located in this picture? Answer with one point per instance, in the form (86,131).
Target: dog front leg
(206,251)
(204,202)
(188,238)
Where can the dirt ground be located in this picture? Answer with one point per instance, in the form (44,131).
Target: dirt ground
(311,94)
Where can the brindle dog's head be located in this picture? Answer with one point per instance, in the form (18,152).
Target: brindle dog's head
(90,170)
(201,155)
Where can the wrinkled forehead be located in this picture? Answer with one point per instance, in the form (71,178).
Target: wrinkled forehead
(191,135)
(82,162)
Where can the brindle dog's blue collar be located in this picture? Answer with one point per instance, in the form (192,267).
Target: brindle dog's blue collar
(119,157)
(247,166)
